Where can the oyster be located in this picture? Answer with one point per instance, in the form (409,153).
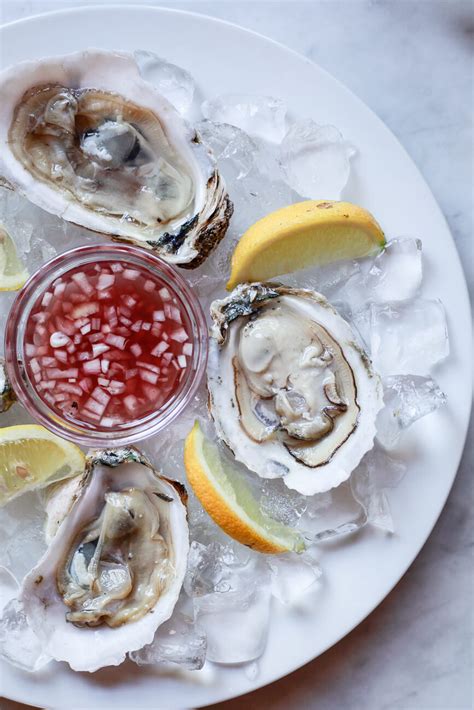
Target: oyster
(115,564)
(85,137)
(291,392)
(7,396)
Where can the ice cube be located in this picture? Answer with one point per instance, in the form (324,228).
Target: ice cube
(8,587)
(409,337)
(331,514)
(360,321)
(292,575)
(262,116)
(396,272)
(316,160)
(21,529)
(38,235)
(254,196)
(328,279)
(212,566)
(281,503)
(368,490)
(171,81)
(236,620)
(407,398)
(19,645)
(233,149)
(383,468)
(178,641)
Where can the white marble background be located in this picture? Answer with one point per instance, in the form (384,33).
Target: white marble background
(411,62)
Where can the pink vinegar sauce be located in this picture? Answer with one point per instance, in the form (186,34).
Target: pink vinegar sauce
(106,345)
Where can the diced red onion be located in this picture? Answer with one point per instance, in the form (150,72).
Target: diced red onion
(105,281)
(61,355)
(129,301)
(99,348)
(85,309)
(180,335)
(131,403)
(101,396)
(85,384)
(54,373)
(83,282)
(46,300)
(148,366)
(159,349)
(148,376)
(131,274)
(165,294)
(92,367)
(67,387)
(118,341)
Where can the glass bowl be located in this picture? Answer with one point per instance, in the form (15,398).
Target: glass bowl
(126,432)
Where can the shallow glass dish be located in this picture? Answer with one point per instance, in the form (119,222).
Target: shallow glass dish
(93,434)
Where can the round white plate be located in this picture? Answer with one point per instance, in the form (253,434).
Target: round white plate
(359,572)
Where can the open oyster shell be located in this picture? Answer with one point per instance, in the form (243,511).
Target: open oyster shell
(7,396)
(85,137)
(291,392)
(113,571)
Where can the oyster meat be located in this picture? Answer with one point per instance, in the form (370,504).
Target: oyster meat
(115,564)
(291,392)
(85,137)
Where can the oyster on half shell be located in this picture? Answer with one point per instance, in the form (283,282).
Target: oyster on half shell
(85,137)
(291,392)
(115,564)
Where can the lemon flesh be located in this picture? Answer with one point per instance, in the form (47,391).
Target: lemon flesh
(31,457)
(13,274)
(227,498)
(314,232)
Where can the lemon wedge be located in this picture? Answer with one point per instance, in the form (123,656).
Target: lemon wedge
(309,233)
(13,274)
(227,498)
(31,457)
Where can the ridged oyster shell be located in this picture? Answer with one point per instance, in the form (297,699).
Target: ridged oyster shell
(138,574)
(7,396)
(85,137)
(291,392)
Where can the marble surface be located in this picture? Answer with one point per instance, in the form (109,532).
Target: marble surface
(410,61)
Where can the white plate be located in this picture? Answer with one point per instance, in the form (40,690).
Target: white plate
(359,573)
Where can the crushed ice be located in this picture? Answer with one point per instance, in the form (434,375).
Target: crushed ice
(268,161)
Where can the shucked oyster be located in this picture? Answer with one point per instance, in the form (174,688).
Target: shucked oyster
(85,137)
(291,392)
(118,545)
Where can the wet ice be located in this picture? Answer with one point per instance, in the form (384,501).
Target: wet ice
(174,83)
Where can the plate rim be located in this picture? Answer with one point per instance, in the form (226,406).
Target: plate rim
(86,9)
